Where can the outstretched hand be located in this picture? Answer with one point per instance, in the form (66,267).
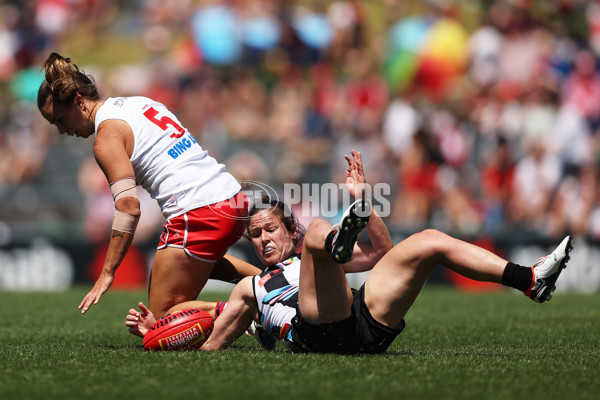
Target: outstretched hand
(355,177)
(139,322)
(100,287)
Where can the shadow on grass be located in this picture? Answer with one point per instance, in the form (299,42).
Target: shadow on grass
(118,347)
(398,353)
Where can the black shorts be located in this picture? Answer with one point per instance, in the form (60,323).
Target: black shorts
(359,333)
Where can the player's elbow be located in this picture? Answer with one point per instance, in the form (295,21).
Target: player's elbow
(129,205)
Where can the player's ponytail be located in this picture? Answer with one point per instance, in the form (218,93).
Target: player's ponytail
(63,80)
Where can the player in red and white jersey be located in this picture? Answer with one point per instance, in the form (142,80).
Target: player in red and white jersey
(140,142)
(166,159)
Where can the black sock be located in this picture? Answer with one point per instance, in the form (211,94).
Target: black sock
(329,242)
(517,276)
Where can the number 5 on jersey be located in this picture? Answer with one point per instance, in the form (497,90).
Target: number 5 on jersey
(164,122)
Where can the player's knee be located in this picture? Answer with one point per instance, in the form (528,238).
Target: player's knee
(315,234)
(163,307)
(431,243)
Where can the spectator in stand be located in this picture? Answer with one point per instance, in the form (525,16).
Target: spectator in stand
(537,175)
(316,95)
(582,88)
(418,185)
(496,182)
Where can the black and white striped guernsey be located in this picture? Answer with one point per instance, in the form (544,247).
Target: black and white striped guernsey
(276,294)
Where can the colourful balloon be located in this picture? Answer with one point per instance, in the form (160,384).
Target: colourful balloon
(408,34)
(400,68)
(447,43)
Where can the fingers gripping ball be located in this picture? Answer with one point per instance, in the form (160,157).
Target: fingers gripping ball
(182,330)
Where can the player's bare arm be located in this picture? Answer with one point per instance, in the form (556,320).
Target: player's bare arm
(235,319)
(112,150)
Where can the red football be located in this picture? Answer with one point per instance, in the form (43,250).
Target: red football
(182,330)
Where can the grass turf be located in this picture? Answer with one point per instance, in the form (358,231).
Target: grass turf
(455,346)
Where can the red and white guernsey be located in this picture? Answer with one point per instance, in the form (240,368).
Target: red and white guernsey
(167,160)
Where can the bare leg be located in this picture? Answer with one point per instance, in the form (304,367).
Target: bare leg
(324,294)
(232,269)
(176,278)
(396,280)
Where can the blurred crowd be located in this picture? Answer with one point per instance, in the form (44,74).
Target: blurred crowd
(483,117)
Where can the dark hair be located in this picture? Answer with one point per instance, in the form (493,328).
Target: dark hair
(63,80)
(282,211)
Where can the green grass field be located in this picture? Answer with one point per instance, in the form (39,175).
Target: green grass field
(455,346)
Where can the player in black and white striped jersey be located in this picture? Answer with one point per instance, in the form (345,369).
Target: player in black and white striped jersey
(329,316)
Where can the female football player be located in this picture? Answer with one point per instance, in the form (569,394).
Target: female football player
(140,142)
(306,301)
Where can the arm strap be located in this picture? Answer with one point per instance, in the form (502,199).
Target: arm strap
(123,188)
(124,222)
